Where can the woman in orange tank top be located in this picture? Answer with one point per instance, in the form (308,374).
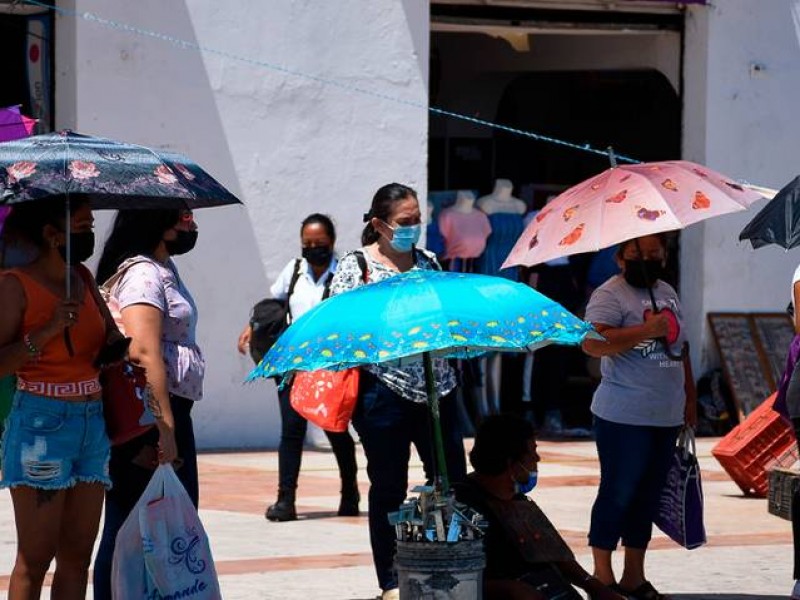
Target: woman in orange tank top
(55,449)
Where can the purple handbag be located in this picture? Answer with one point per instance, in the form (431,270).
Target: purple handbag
(680,508)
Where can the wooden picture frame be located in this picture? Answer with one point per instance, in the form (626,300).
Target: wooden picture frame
(752,349)
(775,332)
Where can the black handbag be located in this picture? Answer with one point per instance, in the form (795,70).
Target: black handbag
(269,319)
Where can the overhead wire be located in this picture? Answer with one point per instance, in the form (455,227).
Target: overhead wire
(189,45)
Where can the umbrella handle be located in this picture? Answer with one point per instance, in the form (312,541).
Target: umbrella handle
(438,440)
(681,356)
(68,342)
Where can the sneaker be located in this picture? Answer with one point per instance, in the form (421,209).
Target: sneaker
(393,594)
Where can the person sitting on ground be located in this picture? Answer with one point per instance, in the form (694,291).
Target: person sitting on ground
(526,557)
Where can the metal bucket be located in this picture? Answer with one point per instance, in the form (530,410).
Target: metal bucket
(440,571)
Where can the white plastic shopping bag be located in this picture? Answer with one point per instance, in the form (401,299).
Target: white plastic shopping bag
(162,551)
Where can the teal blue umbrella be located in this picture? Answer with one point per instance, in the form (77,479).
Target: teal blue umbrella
(419,315)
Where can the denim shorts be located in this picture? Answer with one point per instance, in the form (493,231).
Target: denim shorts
(53,444)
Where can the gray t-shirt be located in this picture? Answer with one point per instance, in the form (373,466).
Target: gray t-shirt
(642,386)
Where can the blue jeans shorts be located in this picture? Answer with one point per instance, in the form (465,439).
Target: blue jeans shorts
(53,444)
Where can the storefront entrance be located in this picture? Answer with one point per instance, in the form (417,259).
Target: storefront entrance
(566,70)
(26,36)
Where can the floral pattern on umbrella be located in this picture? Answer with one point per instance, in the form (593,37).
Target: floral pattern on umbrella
(113,174)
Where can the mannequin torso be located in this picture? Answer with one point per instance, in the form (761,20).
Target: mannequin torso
(501,200)
(464,228)
(465,202)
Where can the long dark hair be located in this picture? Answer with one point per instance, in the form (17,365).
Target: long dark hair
(28,219)
(135,232)
(383,203)
(319,219)
(500,440)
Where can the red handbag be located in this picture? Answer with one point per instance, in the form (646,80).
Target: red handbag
(326,398)
(126,393)
(126,397)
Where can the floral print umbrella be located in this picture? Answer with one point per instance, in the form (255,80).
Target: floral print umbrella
(114,175)
(627,202)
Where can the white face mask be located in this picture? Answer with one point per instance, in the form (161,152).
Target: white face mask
(404,237)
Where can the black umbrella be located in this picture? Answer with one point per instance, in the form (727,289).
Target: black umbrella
(778,222)
(111,174)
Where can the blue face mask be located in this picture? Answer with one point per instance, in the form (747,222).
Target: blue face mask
(405,237)
(527,486)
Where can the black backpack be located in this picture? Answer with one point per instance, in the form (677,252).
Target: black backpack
(269,318)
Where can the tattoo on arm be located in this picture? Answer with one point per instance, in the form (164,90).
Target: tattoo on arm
(153,404)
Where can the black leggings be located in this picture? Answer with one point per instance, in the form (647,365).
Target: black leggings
(290,450)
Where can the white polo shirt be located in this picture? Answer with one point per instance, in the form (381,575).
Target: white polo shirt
(307,292)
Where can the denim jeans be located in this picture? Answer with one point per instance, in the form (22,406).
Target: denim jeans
(130,480)
(388,424)
(53,443)
(290,450)
(634,462)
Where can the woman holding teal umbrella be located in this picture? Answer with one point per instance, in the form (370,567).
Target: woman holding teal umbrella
(392,412)
(398,329)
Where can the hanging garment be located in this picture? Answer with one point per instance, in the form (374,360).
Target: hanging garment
(506,229)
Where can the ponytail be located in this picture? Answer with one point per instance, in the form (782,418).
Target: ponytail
(382,207)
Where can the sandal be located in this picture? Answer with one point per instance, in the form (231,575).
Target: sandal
(646,591)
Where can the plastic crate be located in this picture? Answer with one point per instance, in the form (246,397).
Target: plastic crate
(783,484)
(763,441)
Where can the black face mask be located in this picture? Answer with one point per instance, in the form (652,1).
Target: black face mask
(184,242)
(634,272)
(82,243)
(318,257)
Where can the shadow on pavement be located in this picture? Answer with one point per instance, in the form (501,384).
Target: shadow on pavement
(325,514)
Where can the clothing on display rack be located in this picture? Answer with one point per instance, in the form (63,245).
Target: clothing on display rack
(434,241)
(465,229)
(505,217)
(506,229)
(550,366)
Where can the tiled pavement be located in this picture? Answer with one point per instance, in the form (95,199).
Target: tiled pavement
(322,556)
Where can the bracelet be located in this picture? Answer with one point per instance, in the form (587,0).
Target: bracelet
(30,347)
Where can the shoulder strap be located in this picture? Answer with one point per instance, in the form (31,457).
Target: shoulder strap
(108,285)
(327,291)
(97,296)
(292,285)
(362,264)
(432,262)
(295,277)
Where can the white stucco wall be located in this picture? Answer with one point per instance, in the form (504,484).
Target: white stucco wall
(744,124)
(287,145)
